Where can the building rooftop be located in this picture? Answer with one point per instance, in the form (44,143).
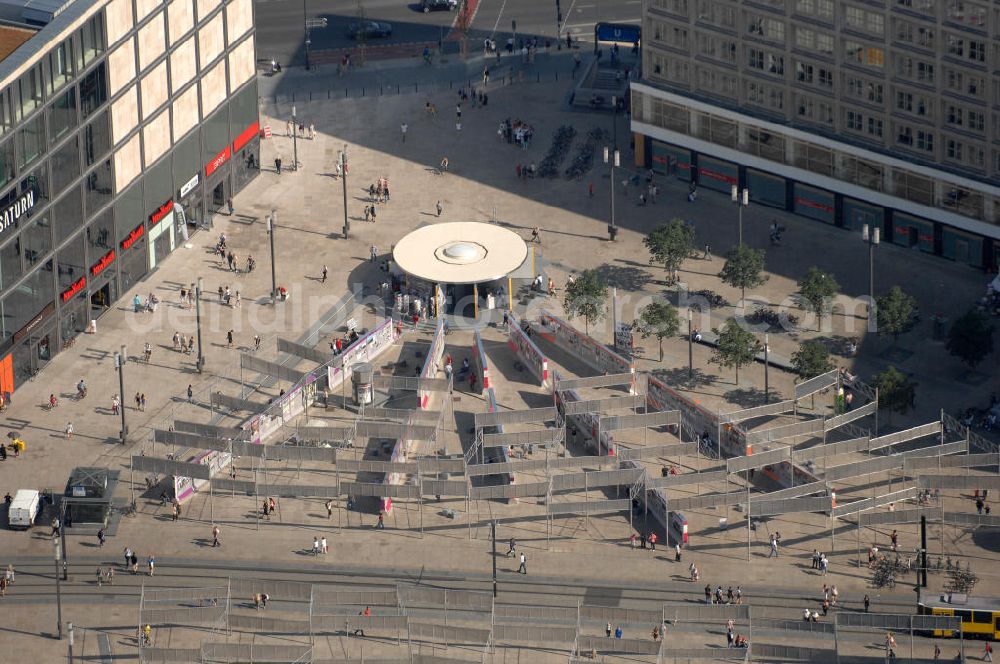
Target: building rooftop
(12,37)
(53,18)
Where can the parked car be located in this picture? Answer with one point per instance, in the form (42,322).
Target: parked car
(369,29)
(438,5)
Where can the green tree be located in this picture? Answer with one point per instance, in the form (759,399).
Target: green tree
(737,347)
(811,359)
(744,269)
(894,313)
(896,391)
(670,244)
(970,338)
(660,320)
(587,297)
(817,288)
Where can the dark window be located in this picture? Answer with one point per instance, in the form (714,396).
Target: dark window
(31,140)
(244,110)
(37,241)
(982,617)
(93,90)
(6,162)
(187,159)
(10,261)
(6,112)
(100,236)
(28,299)
(128,211)
(215,131)
(31,90)
(99,187)
(158,186)
(92,38)
(68,213)
(62,113)
(65,165)
(70,262)
(966,616)
(62,67)
(96,139)
(38,182)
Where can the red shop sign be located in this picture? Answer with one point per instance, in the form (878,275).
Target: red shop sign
(246,136)
(219,160)
(103,263)
(74,289)
(161,212)
(133,236)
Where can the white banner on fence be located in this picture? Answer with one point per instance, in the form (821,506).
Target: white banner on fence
(479,362)
(364,349)
(586,348)
(520,342)
(432,363)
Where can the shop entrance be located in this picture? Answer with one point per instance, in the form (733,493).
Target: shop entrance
(101,299)
(218,197)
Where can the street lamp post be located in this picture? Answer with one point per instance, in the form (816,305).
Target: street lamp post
(305,28)
(58,556)
(493,529)
(612,160)
(295,142)
(274,275)
(343,178)
(120,360)
(614,121)
(742,198)
(70,626)
(690,348)
(871,236)
(767,386)
(197,312)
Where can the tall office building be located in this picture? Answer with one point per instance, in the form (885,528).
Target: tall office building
(881,112)
(124,125)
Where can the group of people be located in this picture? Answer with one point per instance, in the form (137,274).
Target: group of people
(731,596)
(338,345)
(148,305)
(820,561)
(183,344)
(516,131)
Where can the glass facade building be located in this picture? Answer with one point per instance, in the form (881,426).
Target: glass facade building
(850,112)
(124,126)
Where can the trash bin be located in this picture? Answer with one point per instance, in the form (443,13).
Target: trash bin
(723,523)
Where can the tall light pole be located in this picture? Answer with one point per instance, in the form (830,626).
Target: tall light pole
(305,28)
(58,556)
(871,236)
(614,121)
(690,348)
(271,220)
(295,142)
(70,626)
(767,385)
(343,179)
(200,363)
(742,198)
(493,530)
(613,160)
(120,359)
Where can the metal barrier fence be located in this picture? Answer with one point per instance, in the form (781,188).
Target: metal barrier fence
(737,416)
(758,460)
(898,516)
(466,600)
(262,623)
(791,505)
(817,384)
(670,481)
(603,644)
(526,416)
(798,653)
(705,612)
(150,464)
(958,481)
(531,634)
(813,628)
(831,449)
(601,615)
(250,362)
(326,433)
(170,655)
(293,590)
(530,490)
(964,461)
(670,449)
(538,614)
(236,403)
(448,634)
(844,418)
(305,352)
(928,429)
(656,419)
(607,380)
(597,478)
(585,507)
(970,519)
(323,597)
(403,414)
(548,436)
(252,652)
(449,488)
(607,403)
(379,490)
(299,453)
(792,492)
(806,428)
(895,621)
(395,430)
(858,468)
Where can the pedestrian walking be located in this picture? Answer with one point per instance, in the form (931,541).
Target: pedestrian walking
(325,271)
(277,165)
(215,536)
(138,401)
(190,394)
(315,546)
(677,553)
(324,546)
(618,632)
(988,652)
(68,431)
(100,537)
(739,594)
(312,131)
(535,237)
(380,524)
(110,575)
(774,547)
(373,252)
(633,541)
(229,338)
(439,208)
(135,563)
(652,541)
(608,630)
(329,509)
(229,203)
(708,594)
(151,563)
(256,342)
(867,602)
(523,568)
(100,576)
(9,574)
(177,340)
(402,131)
(444,165)
(142,402)
(512,546)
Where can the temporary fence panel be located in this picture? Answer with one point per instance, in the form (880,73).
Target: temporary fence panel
(519,340)
(577,462)
(366,466)
(898,516)
(701,655)
(402,414)
(226,485)
(432,363)
(465,600)
(987,460)
(480,363)
(806,428)
(872,503)
(168,655)
(333,601)
(977,442)
(395,430)
(792,492)
(253,652)
(485,469)
(534,634)
(851,415)
(607,380)
(447,488)
(790,505)
(300,453)
(324,434)
(695,419)
(708,500)
(510,491)
(499,418)
(546,437)
(365,349)
(793,653)
(429,466)
(190,615)
(601,615)
(671,449)
(657,419)
(448,634)
(958,481)
(207,429)
(298,490)
(291,590)
(817,384)
(596,479)
(250,362)
(929,429)
(972,519)
(958,447)
(758,460)
(858,468)
(953,623)
(606,404)
(737,416)
(671,481)
(590,507)
(544,615)
(195,441)
(221,400)
(611,645)
(814,629)
(262,623)
(697,613)
(150,464)
(582,346)
(305,352)
(895,622)
(831,449)
(378,490)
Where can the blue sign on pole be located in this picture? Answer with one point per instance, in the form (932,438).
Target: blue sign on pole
(617,32)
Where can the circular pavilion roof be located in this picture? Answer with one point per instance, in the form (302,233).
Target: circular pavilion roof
(463,252)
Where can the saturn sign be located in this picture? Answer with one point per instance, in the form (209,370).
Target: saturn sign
(17,209)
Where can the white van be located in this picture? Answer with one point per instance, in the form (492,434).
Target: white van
(24,509)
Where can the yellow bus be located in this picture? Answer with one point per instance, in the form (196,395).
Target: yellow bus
(980,615)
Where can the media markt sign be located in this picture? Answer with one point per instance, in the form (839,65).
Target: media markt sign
(17,209)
